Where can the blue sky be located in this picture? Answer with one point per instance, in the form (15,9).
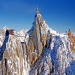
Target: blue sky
(19,14)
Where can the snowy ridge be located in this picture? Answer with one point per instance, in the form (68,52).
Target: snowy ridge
(74,33)
(60,53)
(59,57)
(14,51)
(7,28)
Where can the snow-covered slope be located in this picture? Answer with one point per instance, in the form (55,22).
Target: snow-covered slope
(16,61)
(58,51)
(74,33)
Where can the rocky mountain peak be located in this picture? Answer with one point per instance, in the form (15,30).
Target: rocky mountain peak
(7,28)
(39,51)
(37,11)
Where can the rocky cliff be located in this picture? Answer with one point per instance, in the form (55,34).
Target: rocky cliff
(72,40)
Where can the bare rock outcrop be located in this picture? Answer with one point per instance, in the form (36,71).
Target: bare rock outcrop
(72,40)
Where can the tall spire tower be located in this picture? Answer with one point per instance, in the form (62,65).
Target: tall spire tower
(37,9)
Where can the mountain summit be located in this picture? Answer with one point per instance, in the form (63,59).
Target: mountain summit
(39,51)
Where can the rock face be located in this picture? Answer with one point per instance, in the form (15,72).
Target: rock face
(37,35)
(72,40)
(38,51)
(37,39)
(14,58)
